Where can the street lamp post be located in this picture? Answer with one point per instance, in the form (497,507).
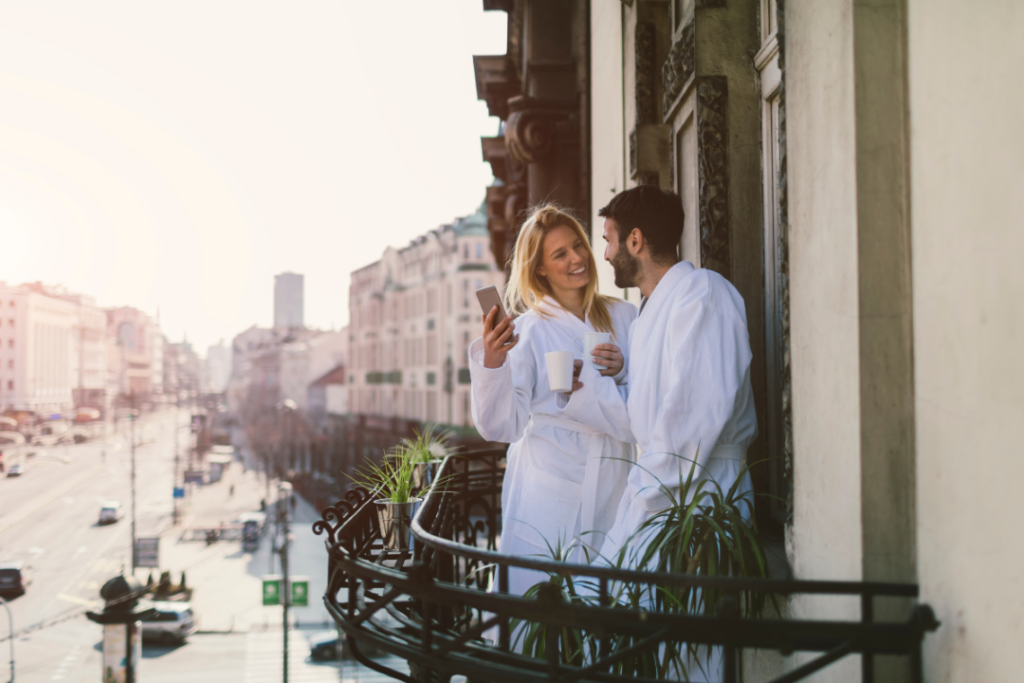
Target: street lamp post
(284,494)
(131,422)
(10,633)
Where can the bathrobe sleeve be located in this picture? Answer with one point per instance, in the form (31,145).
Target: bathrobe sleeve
(600,405)
(706,358)
(501,397)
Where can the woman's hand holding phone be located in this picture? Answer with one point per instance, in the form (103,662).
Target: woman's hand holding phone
(499,338)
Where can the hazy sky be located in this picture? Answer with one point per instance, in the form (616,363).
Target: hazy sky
(179,154)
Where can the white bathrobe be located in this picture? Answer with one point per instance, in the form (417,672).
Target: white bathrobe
(689,388)
(562,477)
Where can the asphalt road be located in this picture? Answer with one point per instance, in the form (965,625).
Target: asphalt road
(48,518)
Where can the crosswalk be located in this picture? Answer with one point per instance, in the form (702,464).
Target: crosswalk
(263,655)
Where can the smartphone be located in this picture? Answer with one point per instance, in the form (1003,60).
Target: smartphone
(489,298)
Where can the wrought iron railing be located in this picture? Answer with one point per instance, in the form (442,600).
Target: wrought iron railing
(431,605)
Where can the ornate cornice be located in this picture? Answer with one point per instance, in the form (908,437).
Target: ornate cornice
(713,172)
(535,128)
(496,83)
(678,68)
(496,154)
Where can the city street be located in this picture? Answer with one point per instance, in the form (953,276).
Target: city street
(48,518)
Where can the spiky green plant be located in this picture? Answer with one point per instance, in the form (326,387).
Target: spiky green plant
(393,477)
(427,445)
(701,532)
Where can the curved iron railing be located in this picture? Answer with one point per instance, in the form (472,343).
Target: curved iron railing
(431,605)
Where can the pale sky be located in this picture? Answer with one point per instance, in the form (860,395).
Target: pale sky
(177,155)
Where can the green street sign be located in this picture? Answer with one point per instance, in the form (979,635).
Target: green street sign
(300,591)
(272,590)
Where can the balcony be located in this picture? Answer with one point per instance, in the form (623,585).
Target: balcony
(431,604)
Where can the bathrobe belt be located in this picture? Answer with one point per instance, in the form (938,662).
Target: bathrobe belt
(591,474)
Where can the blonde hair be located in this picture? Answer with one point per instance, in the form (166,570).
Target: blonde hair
(526,287)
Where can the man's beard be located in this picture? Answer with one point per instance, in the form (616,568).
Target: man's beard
(626,267)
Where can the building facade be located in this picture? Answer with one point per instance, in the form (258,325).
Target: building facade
(852,169)
(413,315)
(135,349)
(218,367)
(288,300)
(37,334)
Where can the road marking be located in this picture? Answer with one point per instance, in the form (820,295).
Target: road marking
(66,664)
(77,600)
(264,654)
(26,510)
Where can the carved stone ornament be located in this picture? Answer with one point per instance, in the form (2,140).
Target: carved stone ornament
(646,106)
(678,68)
(632,153)
(713,172)
(534,129)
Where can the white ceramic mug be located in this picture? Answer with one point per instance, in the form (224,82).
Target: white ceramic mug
(559,370)
(587,344)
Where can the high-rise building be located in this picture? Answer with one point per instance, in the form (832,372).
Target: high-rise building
(288,289)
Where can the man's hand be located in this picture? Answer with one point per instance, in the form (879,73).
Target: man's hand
(496,334)
(610,356)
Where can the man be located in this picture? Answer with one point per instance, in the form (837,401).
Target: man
(689,364)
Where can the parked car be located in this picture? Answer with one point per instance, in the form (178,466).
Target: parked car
(16,470)
(110,512)
(14,578)
(323,646)
(172,622)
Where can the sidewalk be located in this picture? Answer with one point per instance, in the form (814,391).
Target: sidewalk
(227,581)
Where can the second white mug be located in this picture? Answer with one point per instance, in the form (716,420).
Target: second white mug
(587,344)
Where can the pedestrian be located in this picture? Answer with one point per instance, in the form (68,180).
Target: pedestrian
(263,504)
(293,503)
(231,491)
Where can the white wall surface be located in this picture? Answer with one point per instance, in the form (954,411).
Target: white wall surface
(825,542)
(967,155)
(608,143)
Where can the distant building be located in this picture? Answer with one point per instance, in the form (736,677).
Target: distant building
(288,300)
(413,315)
(37,347)
(134,355)
(218,367)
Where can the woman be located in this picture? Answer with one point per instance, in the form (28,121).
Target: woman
(563,480)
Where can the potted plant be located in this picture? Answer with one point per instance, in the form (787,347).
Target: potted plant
(426,450)
(392,480)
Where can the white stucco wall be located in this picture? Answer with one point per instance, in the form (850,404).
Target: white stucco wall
(606,120)
(967,152)
(825,540)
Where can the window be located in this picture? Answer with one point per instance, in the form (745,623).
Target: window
(465,293)
(10,343)
(11,322)
(10,383)
(465,251)
(479,250)
(466,411)
(10,365)
(773,480)
(431,379)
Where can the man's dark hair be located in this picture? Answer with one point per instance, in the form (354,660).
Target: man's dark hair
(658,215)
